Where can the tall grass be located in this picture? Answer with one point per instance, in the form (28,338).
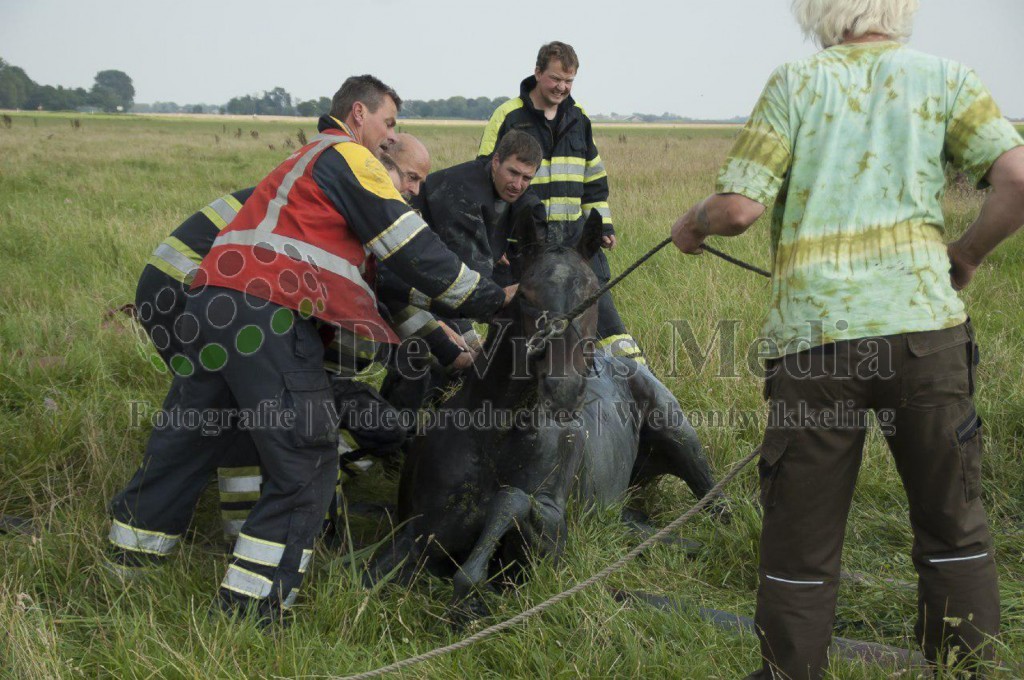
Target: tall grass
(81,209)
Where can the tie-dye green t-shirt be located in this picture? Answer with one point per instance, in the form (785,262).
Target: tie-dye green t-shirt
(852,145)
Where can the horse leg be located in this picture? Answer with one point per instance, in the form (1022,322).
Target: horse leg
(510,508)
(675,449)
(400,557)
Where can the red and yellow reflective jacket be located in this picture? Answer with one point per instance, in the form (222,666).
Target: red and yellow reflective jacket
(309,237)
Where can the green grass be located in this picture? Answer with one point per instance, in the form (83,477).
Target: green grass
(81,209)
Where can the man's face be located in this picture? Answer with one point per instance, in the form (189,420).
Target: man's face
(511,177)
(378,127)
(554,83)
(414,170)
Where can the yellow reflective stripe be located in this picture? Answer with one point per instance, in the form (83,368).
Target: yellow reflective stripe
(222,211)
(490,136)
(568,160)
(419,300)
(289,601)
(604,342)
(167,268)
(243,471)
(307,555)
(245,582)
(142,540)
(602,208)
(595,170)
(401,231)
(239,484)
(258,551)
(415,323)
(174,258)
(346,442)
(463,286)
(562,207)
(232,527)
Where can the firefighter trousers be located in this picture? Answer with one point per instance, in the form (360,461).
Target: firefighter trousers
(252,368)
(920,387)
(160,303)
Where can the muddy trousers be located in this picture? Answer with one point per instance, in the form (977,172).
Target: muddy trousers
(257,369)
(919,385)
(160,302)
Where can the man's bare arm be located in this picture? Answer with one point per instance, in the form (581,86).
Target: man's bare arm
(716,215)
(1001,215)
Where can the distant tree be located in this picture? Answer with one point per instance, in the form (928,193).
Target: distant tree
(15,87)
(58,98)
(276,102)
(113,89)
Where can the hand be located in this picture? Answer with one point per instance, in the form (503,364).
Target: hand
(464,360)
(510,292)
(690,230)
(608,241)
(961,267)
(453,336)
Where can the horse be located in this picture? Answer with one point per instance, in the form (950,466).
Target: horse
(477,497)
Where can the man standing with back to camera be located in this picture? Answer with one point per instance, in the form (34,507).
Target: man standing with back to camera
(851,144)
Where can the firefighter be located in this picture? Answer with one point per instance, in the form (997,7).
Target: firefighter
(471,207)
(571,181)
(304,245)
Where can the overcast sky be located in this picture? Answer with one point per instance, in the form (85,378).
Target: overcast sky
(706,59)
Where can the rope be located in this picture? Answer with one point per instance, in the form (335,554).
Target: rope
(557,326)
(551,602)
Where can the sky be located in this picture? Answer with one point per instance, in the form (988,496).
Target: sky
(701,59)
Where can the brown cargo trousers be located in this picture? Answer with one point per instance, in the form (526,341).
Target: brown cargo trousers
(920,387)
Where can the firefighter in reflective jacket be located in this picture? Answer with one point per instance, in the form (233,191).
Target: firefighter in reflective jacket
(304,245)
(160,298)
(571,181)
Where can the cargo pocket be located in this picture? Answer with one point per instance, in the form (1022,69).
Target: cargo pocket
(771,450)
(968,438)
(309,397)
(935,376)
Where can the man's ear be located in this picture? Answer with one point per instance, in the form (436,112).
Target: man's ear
(590,240)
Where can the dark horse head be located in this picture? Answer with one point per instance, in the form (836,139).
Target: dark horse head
(553,280)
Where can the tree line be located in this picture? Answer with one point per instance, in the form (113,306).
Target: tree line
(111,91)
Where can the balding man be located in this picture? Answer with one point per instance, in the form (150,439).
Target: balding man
(413,162)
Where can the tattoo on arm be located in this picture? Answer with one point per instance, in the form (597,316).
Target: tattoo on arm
(704,220)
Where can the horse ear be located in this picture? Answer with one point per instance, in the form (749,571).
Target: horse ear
(593,232)
(528,227)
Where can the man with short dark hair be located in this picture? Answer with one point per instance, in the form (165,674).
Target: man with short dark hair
(571,181)
(471,207)
(304,246)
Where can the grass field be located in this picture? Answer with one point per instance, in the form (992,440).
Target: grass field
(80,211)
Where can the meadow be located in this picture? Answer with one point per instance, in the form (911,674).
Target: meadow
(81,208)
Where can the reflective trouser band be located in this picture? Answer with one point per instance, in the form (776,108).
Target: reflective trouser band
(222,211)
(245,582)
(792,582)
(307,555)
(239,485)
(258,551)
(347,343)
(419,300)
(233,527)
(621,346)
(175,259)
(289,601)
(141,540)
(943,560)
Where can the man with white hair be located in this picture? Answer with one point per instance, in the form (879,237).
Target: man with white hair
(850,144)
